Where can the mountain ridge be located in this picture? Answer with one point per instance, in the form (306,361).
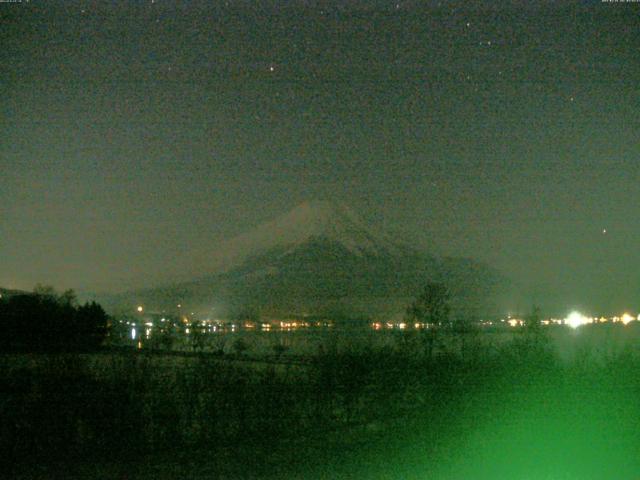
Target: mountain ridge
(321,258)
(320,218)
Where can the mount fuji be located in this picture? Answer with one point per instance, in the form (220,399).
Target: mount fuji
(322,259)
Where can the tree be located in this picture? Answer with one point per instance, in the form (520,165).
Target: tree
(44,291)
(534,335)
(167,338)
(218,342)
(532,321)
(68,297)
(531,347)
(91,325)
(465,330)
(432,309)
(45,321)
(279,349)
(197,337)
(240,346)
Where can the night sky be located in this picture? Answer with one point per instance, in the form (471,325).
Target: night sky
(132,133)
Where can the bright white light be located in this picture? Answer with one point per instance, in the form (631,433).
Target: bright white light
(133,334)
(139,308)
(626,318)
(575,319)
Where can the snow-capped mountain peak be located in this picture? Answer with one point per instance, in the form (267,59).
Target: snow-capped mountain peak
(325,220)
(329,220)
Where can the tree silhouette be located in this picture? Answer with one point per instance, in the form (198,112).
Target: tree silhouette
(240,346)
(431,308)
(91,323)
(533,320)
(45,321)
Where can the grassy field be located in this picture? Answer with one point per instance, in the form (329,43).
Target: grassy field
(564,404)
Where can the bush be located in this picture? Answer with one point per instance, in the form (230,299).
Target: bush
(46,322)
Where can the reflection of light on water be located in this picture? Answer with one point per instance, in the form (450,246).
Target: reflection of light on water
(574,320)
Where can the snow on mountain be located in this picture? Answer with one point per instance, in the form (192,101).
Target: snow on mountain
(329,220)
(310,220)
(320,257)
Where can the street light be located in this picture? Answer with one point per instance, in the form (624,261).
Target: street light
(576,319)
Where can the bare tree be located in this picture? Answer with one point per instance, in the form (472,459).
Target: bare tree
(431,308)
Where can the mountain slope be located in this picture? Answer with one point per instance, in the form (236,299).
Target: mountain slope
(324,219)
(310,219)
(320,258)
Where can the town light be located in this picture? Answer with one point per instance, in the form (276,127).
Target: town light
(626,318)
(575,319)
(139,309)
